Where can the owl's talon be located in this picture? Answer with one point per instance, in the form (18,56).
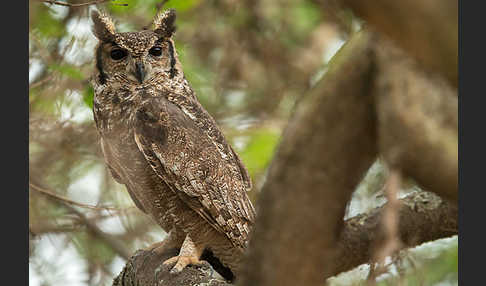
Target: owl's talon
(181,262)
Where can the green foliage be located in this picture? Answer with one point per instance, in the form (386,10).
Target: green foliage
(199,76)
(92,248)
(88,95)
(431,264)
(47,25)
(441,269)
(67,70)
(182,5)
(306,16)
(133,5)
(150,5)
(259,150)
(45,105)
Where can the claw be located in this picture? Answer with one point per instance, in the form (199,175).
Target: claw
(189,254)
(181,262)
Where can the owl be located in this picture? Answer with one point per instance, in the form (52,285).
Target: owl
(167,150)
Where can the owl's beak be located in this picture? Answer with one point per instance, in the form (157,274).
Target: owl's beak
(140,71)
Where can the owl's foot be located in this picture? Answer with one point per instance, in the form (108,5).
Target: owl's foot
(181,262)
(189,254)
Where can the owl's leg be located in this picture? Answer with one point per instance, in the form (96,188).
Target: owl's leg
(189,254)
(171,241)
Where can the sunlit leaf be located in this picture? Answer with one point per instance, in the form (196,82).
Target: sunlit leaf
(118,9)
(88,95)
(47,25)
(259,150)
(67,70)
(93,248)
(182,5)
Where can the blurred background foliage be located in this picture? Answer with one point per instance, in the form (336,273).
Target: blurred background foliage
(248,61)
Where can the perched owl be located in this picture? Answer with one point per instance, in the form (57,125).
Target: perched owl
(165,148)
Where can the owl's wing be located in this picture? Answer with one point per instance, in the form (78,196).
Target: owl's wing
(193,166)
(110,162)
(193,109)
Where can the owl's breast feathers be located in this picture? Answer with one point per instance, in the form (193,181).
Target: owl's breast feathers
(185,148)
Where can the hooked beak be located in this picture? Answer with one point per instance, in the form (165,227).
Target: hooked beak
(139,71)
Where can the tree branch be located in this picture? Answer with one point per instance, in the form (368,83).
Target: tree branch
(80,4)
(417,121)
(423,217)
(145,268)
(68,201)
(111,241)
(325,150)
(427,30)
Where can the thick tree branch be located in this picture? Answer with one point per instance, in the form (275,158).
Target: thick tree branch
(423,217)
(427,30)
(326,148)
(313,174)
(329,143)
(418,123)
(145,268)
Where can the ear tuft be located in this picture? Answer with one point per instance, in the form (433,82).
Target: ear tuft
(104,28)
(164,23)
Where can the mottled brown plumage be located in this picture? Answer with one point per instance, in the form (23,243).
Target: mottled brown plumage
(159,141)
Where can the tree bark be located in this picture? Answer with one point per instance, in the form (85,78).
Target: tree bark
(423,217)
(427,30)
(325,150)
(145,268)
(417,121)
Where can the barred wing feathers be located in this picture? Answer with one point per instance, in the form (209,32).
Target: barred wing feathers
(193,166)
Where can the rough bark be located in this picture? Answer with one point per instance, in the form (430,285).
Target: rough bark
(145,268)
(417,121)
(307,187)
(325,150)
(427,30)
(423,217)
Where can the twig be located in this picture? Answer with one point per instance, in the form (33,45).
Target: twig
(40,82)
(114,243)
(390,226)
(81,4)
(68,201)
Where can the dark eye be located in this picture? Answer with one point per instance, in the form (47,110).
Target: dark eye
(118,54)
(156,51)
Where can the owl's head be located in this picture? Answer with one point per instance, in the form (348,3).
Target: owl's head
(135,57)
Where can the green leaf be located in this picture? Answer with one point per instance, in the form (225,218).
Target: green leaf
(93,248)
(47,25)
(67,70)
(182,5)
(88,96)
(307,16)
(118,9)
(259,151)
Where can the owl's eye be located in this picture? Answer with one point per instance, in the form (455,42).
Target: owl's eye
(156,51)
(118,54)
